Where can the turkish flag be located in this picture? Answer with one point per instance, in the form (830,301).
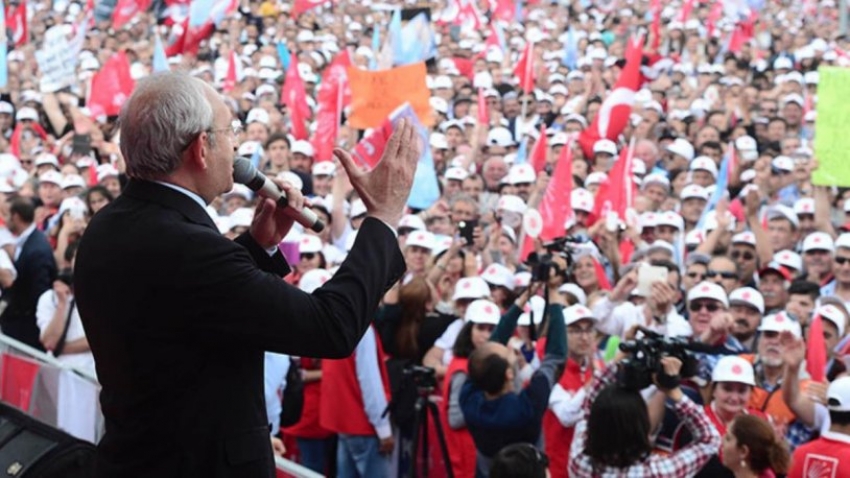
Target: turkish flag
(468,17)
(613,115)
(16,22)
(465,66)
(333,96)
(816,350)
(369,150)
(524,69)
(187,40)
(294,96)
(539,152)
(483,113)
(301,6)
(125,10)
(555,208)
(505,10)
(111,86)
(617,194)
(492,40)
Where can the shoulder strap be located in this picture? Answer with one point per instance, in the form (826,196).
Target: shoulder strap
(60,346)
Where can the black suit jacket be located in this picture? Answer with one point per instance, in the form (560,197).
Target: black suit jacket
(178,318)
(36,272)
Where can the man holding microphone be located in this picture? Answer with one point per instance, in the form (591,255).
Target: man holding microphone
(178,317)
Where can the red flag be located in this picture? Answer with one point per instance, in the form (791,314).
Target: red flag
(685,12)
(294,96)
(468,16)
(230,77)
(301,6)
(369,150)
(613,115)
(492,39)
(16,22)
(527,248)
(465,66)
(615,194)
(505,10)
(483,113)
(334,95)
(15,140)
(524,69)
(187,40)
(111,86)
(714,14)
(743,33)
(538,153)
(733,162)
(17,380)
(601,276)
(655,28)
(816,350)
(555,206)
(125,10)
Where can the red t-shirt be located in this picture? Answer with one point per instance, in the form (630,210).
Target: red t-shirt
(826,457)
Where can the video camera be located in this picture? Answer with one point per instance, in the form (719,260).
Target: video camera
(644,361)
(424,377)
(541,264)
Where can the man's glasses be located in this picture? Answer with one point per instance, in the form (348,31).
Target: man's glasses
(723,274)
(699,305)
(742,255)
(308,255)
(841,260)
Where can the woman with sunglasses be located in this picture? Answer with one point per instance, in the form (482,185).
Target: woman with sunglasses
(732,383)
(483,324)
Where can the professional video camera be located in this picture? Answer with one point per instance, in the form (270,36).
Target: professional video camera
(424,377)
(644,360)
(541,264)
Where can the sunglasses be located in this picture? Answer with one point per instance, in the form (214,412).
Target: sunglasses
(745,255)
(695,275)
(308,255)
(723,274)
(779,172)
(841,260)
(709,306)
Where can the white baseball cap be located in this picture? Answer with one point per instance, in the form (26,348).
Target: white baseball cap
(312,280)
(303,147)
(257,115)
(789,259)
(575,291)
(471,288)
(838,395)
(521,173)
(26,113)
(309,244)
(595,178)
(510,202)
(804,206)
(574,313)
(749,297)
(323,168)
(73,181)
(535,307)
(47,158)
(843,241)
(704,163)
(51,177)
(682,148)
(522,279)
(781,211)
(732,368)
(582,200)
(693,191)
(780,323)
(605,146)
(783,163)
(500,136)
(456,173)
(411,221)
(670,218)
(656,178)
(358,208)
(423,239)
(831,313)
(708,290)
(745,237)
(241,217)
(482,311)
(818,241)
(498,275)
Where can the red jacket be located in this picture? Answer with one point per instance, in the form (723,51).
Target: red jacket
(557,437)
(460,444)
(828,457)
(308,426)
(341,408)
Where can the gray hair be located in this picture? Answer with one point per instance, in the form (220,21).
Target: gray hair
(164,114)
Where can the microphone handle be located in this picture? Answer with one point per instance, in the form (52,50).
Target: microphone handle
(306,217)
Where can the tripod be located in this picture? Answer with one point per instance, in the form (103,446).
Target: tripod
(423,408)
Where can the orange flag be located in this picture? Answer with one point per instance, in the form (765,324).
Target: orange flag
(376,94)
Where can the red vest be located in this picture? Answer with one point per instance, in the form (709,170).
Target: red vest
(459,442)
(341,408)
(827,457)
(557,437)
(308,426)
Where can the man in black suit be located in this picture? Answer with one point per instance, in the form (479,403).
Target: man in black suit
(178,317)
(36,268)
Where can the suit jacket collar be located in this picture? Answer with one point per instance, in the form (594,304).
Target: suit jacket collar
(170,198)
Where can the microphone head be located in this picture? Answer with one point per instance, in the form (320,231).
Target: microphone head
(243,171)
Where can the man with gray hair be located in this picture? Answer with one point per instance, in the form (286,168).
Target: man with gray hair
(178,317)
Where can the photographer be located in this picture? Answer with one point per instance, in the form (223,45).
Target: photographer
(613,436)
(496,413)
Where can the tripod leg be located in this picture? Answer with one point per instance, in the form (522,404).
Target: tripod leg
(441,437)
(417,423)
(425,455)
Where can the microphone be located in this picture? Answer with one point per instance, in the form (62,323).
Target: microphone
(245,173)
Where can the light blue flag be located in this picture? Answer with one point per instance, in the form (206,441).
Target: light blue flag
(376,47)
(719,191)
(200,11)
(571,50)
(284,55)
(395,36)
(4,67)
(426,188)
(518,13)
(500,34)
(418,42)
(160,62)
(256,157)
(522,152)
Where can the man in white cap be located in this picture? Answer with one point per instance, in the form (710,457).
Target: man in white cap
(818,250)
(829,455)
(747,307)
(840,284)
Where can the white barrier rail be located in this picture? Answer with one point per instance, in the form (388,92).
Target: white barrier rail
(8,343)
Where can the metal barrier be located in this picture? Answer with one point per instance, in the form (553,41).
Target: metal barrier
(286,467)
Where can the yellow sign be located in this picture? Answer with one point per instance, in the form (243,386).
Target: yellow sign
(832,141)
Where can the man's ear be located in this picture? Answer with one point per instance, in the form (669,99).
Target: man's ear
(197,154)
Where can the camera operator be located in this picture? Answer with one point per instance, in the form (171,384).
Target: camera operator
(498,415)
(613,437)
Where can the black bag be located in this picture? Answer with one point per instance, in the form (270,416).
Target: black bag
(293,395)
(29,448)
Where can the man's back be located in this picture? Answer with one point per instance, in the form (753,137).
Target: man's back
(827,456)
(36,271)
(178,318)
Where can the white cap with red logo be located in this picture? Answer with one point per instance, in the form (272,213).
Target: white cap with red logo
(749,297)
(831,313)
(482,311)
(708,290)
(780,323)
(732,368)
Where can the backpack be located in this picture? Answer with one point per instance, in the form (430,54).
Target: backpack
(293,395)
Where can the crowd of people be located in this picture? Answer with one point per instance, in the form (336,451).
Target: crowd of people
(528,375)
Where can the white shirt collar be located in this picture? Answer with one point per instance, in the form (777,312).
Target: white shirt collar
(841,437)
(25,235)
(195,197)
